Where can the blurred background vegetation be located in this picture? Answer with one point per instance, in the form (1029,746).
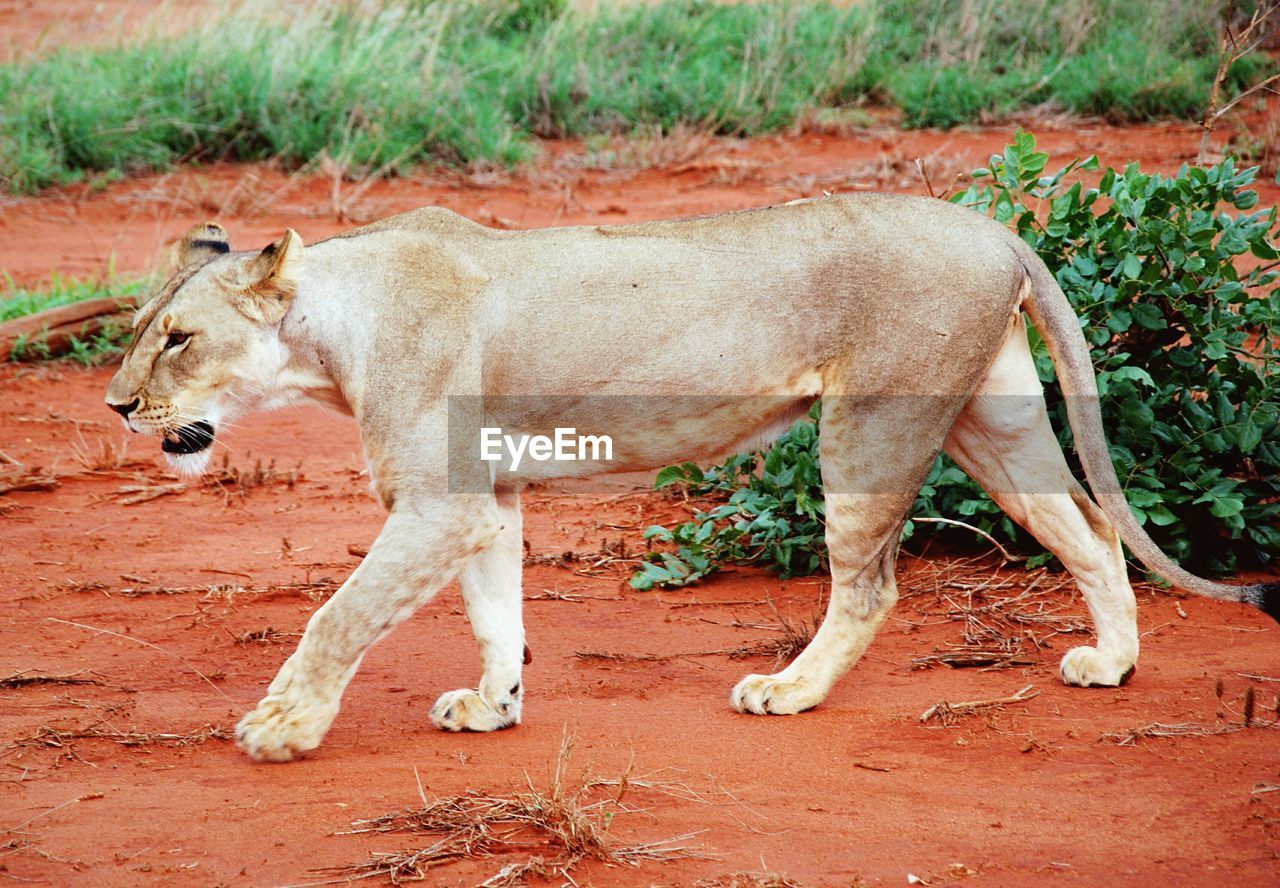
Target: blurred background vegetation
(379,87)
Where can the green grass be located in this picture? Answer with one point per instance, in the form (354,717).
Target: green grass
(18,301)
(463,82)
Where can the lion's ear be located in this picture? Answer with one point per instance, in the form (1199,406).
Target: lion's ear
(274,274)
(200,244)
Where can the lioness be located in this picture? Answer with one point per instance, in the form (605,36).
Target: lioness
(904,314)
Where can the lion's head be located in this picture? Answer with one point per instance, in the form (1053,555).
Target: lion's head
(206,347)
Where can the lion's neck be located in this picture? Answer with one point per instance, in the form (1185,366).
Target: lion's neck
(311,368)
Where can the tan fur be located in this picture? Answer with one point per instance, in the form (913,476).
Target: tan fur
(678,339)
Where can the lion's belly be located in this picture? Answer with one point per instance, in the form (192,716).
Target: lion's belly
(643,431)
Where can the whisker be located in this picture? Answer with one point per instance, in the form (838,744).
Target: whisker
(218,442)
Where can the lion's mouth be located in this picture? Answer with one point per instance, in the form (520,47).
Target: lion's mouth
(188,439)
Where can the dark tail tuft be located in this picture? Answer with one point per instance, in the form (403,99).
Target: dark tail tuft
(1266,597)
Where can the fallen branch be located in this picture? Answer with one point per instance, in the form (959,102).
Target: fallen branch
(22,680)
(55,326)
(1182,729)
(59,738)
(793,639)
(1008,620)
(570,595)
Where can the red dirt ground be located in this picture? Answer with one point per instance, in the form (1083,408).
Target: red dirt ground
(156,602)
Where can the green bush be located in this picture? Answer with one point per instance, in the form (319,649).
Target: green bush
(1183,343)
(774,513)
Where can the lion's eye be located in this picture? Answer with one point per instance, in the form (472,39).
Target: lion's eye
(176,339)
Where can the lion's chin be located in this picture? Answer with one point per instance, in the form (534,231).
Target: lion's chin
(189,464)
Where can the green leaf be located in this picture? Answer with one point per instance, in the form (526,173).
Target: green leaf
(1131,268)
(1143,499)
(1160,515)
(671,475)
(1248,436)
(1004,209)
(1135,373)
(1148,317)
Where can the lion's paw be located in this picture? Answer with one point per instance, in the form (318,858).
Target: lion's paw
(279,729)
(766,695)
(1088,667)
(468,710)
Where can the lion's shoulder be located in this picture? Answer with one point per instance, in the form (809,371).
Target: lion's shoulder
(425,220)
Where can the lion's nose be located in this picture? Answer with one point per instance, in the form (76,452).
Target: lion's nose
(125,409)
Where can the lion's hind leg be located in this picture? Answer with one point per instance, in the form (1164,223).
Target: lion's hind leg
(873,462)
(1004,441)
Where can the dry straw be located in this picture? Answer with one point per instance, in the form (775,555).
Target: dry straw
(551,830)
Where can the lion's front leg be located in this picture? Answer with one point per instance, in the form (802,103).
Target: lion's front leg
(417,552)
(491,592)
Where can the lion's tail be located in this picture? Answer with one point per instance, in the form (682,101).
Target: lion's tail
(1056,321)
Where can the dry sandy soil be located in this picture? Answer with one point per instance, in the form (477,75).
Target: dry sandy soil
(178,610)
(157,623)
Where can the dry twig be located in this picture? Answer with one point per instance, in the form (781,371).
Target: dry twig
(235,480)
(1247,715)
(793,638)
(132,494)
(1007,620)
(569,595)
(27,481)
(25,679)
(947,714)
(264,636)
(61,738)
(636,658)
(109,456)
(748,880)
(1182,729)
(146,644)
(1233,46)
(951,522)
